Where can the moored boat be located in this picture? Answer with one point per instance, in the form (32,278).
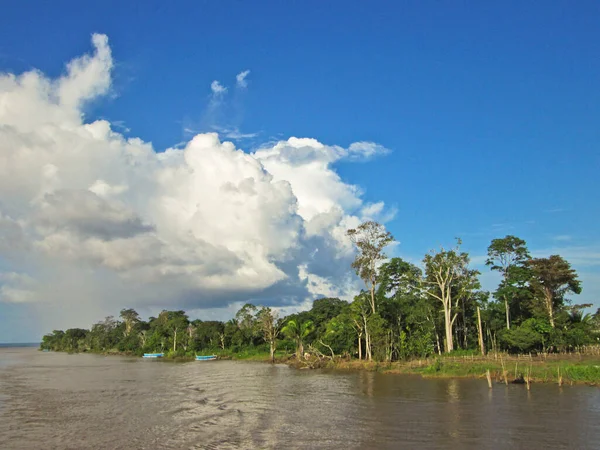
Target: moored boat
(206,358)
(153,355)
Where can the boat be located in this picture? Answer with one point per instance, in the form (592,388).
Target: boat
(206,358)
(153,355)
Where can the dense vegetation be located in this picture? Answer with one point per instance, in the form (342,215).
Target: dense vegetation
(405,312)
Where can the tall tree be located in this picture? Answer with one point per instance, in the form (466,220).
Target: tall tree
(552,279)
(361,309)
(270,325)
(504,255)
(370,238)
(130,317)
(246,320)
(449,279)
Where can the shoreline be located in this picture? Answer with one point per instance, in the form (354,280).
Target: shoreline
(559,369)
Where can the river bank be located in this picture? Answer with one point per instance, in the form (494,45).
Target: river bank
(563,369)
(552,368)
(559,369)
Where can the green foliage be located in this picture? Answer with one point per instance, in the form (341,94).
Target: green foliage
(370,238)
(553,278)
(409,320)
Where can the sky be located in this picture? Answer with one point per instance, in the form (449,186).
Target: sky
(201,154)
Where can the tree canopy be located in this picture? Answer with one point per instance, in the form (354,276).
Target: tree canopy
(407,311)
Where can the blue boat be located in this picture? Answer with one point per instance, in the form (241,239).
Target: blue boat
(206,358)
(153,355)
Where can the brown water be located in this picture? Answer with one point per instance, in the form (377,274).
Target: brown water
(60,401)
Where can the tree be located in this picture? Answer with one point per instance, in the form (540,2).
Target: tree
(246,320)
(105,335)
(449,279)
(552,279)
(208,334)
(53,341)
(399,278)
(323,310)
(73,339)
(370,238)
(130,317)
(340,334)
(297,331)
(410,314)
(360,309)
(503,255)
(270,326)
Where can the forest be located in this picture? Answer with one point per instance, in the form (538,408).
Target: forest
(404,311)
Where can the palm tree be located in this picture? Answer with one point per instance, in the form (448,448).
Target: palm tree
(576,314)
(297,332)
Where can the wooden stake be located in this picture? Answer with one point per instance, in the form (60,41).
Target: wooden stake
(504,373)
(489,378)
(560,380)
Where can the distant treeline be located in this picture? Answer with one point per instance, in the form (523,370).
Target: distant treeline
(405,312)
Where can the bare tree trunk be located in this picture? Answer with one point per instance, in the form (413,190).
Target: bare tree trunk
(222,339)
(272,350)
(360,345)
(367,339)
(390,337)
(480,332)
(448,326)
(175,341)
(550,307)
(465,329)
(373,296)
(507,313)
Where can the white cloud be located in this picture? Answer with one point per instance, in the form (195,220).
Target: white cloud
(217,88)
(16,287)
(241,79)
(233,133)
(366,150)
(92,221)
(323,287)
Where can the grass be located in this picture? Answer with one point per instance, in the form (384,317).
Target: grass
(571,370)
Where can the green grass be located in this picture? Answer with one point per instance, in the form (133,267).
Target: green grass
(249,354)
(572,370)
(587,371)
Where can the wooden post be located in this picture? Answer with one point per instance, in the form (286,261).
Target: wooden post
(560,380)
(504,371)
(481,344)
(489,378)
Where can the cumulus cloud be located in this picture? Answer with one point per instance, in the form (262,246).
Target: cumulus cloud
(91,221)
(240,79)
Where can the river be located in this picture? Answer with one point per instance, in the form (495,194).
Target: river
(61,401)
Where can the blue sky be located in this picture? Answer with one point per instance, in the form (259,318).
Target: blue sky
(491,112)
